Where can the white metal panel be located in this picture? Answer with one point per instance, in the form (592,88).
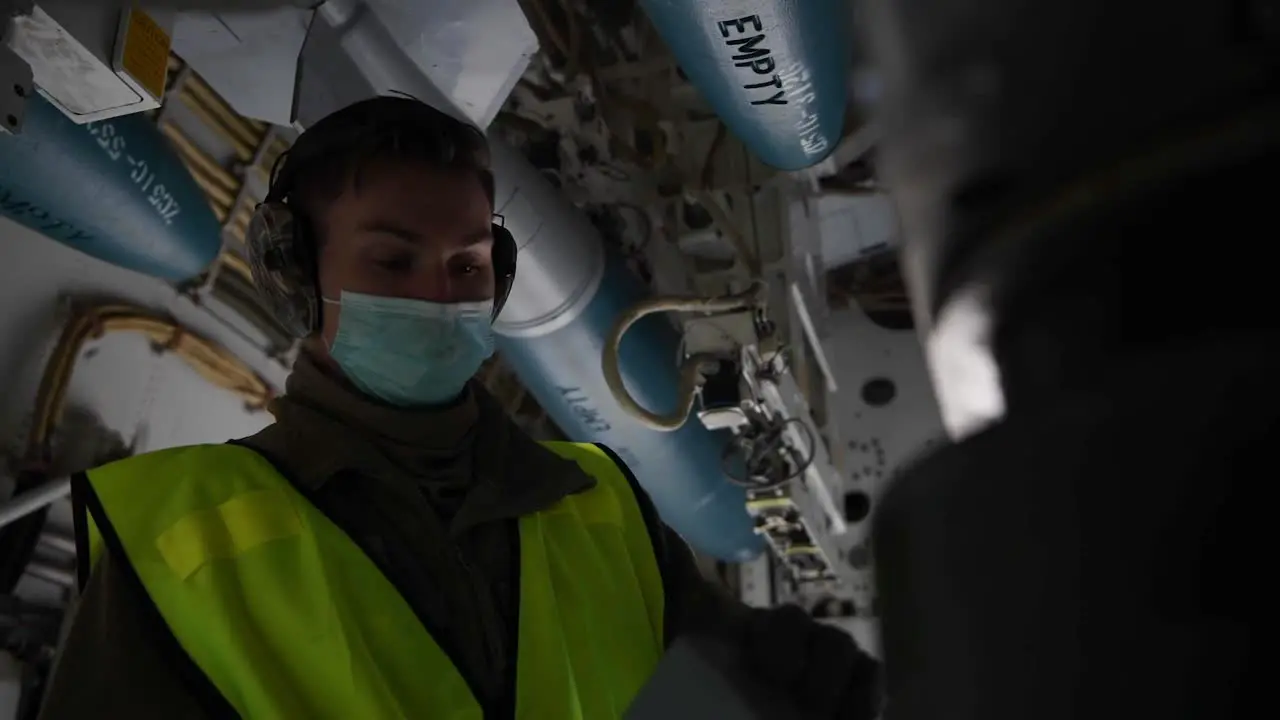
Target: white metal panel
(463,56)
(120,385)
(473,50)
(877,439)
(350,55)
(74,49)
(250,58)
(156,400)
(123,378)
(854,226)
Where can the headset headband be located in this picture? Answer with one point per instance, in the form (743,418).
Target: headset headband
(279,238)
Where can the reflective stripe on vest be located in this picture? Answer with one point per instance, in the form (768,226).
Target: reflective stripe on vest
(288,618)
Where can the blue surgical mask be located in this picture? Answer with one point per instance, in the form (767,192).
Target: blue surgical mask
(411,352)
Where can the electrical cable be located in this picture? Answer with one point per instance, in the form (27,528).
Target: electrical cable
(237,265)
(646,118)
(573,62)
(212,362)
(244,130)
(646,237)
(691,369)
(240,296)
(775,441)
(730,230)
(708,163)
(243,148)
(548,28)
(199,161)
(803,466)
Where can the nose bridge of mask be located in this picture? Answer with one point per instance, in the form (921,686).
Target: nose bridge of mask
(420,328)
(409,351)
(413,306)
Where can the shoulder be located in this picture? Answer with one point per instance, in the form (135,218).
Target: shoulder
(604,465)
(205,471)
(179,459)
(595,459)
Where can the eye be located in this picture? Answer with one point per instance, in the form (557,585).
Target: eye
(469,266)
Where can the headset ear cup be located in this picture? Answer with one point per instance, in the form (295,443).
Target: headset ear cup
(504,266)
(283,268)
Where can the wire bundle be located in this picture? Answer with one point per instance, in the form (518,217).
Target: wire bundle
(213,362)
(768,460)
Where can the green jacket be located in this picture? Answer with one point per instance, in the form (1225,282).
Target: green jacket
(430,497)
(280,615)
(433,499)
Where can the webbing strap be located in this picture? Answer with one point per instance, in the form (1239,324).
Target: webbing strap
(227,530)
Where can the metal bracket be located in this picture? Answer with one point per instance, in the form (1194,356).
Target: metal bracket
(778,390)
(10,9)
(16,85)
(801,518)
(722,333)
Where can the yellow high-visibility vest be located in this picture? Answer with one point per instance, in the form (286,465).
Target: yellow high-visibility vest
(288,618)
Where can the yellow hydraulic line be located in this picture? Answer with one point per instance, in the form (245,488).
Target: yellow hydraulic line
(195,156)
(217,192)
(228,117)
(243,150)
(53,383)
(222,108)
(236,264)
(239,225)
(211,361)
(263,168)
(219,199)
(219,211)
(238,231)
(244,214)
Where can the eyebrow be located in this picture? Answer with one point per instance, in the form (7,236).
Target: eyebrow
(476,237)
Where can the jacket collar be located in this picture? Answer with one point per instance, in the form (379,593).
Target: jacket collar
(326,428)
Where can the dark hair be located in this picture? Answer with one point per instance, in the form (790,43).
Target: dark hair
(332,154)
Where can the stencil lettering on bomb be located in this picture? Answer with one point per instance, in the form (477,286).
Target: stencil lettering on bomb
(746,38)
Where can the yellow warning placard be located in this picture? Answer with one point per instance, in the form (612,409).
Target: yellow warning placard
(145,54)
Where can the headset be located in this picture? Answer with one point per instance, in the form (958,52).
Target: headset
(281,245)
